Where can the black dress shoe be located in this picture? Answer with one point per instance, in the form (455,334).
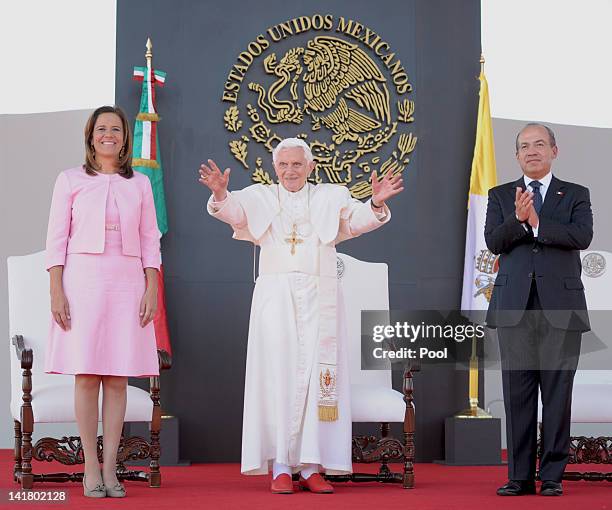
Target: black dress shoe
(550,488)
(517,488)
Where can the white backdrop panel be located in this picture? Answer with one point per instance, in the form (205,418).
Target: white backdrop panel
(549,60)
(60,54)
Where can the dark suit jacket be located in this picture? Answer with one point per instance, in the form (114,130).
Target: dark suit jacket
(552,259)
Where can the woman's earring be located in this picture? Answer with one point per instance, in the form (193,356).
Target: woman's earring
(93,151)
(121,152)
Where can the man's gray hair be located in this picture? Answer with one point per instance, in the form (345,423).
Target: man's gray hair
(289,143)
(551,135)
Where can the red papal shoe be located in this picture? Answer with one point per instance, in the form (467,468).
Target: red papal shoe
(316,483)
(282,484)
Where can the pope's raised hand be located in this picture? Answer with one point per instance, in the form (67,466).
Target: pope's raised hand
(214,179)
(385,188)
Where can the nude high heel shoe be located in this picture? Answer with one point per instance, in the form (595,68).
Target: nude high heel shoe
(99,491)
(118,491)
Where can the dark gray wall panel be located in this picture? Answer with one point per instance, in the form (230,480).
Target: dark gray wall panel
(209,276)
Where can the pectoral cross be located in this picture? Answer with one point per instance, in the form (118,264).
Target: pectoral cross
(294,239)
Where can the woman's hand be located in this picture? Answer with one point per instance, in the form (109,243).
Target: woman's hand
(60,309)
(59,304)
(214,180)
(148,306)
(390,185)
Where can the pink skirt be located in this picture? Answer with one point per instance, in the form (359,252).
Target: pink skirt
(104,293)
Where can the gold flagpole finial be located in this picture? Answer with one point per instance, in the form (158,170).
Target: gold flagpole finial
(482,62)
(149,53)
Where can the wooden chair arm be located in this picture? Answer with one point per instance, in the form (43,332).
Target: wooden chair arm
(165,360)
(165,363)
(24,355)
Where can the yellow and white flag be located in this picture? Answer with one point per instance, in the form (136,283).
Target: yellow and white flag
(480,265)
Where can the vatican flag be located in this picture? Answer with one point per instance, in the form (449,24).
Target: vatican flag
(480,265)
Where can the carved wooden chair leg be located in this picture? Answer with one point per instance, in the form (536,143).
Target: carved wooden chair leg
(17,466)
(384,461)
(27,478)
(119,462)
(155,474)
(409,427)
(27,423)
(120,469)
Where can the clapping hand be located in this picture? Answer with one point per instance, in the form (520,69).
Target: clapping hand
(523,203)
(390,185)
(214,179)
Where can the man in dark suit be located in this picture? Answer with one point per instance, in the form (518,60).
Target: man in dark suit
(538,224)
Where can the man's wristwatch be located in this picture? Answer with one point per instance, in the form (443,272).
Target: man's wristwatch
(375,206)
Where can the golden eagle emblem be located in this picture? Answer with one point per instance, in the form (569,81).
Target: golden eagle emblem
(339,97)
(337,77)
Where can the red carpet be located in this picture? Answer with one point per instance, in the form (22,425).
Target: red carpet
(220,486)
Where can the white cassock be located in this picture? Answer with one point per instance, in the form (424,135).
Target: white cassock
(281,421)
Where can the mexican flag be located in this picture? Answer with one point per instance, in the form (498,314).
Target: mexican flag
(147,160)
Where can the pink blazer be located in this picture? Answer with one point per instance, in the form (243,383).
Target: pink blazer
(78,215)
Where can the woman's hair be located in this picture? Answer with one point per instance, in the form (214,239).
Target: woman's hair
(125,167)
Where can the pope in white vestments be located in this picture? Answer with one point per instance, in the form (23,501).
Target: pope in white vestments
(297,402)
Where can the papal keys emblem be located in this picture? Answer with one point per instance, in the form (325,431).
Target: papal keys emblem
(487,264)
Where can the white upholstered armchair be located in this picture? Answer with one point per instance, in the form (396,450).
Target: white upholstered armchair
(592,391)
(37,397)
(364,286)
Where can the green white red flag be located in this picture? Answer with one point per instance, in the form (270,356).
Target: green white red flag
(147,160)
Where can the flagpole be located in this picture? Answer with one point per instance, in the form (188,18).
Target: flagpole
(473,411)
(149,53)
(147,161)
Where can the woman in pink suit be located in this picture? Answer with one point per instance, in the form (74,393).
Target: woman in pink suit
(103,257)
